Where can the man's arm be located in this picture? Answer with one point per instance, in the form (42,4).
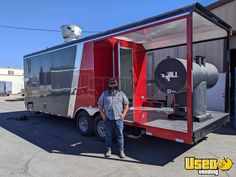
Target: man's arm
(126,106)
(100,107)
(125,110)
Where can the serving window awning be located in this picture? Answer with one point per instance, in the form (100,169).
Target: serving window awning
(174,32)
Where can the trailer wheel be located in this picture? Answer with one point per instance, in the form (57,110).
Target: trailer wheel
(30,106)
(99,128)
(84,123)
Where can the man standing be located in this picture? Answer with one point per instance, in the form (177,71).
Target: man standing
(113,105)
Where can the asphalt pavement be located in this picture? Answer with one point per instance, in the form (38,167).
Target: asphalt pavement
(47,146)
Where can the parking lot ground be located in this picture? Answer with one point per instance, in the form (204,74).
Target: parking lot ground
(46,146)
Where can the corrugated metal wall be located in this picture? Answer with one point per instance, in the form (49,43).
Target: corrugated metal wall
(212,50)
(227,13)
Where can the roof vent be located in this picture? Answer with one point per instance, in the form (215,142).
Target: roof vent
(71,32)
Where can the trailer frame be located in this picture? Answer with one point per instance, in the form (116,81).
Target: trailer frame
(191,135)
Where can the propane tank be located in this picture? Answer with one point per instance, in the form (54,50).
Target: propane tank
(171,78)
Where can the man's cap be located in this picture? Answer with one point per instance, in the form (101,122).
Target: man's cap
(112,82)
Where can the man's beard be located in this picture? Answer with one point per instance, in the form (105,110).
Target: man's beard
(113,90)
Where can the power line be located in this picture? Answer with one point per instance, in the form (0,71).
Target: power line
(31,29)
(39,29)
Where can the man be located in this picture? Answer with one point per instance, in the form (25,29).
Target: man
(113,105)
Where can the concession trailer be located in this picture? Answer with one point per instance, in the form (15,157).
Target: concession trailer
(67,80)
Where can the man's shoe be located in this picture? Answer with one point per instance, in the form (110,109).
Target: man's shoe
(122,155)
(108,153)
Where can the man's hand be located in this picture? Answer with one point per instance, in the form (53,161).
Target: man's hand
(100,107)
(122,116)
(103,116)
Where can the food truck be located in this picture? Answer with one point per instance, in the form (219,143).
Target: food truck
(66,80)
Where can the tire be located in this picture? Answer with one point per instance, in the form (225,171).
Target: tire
(84,123)
(99,128)
(30,106)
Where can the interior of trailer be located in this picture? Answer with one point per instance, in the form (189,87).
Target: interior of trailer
(149,106)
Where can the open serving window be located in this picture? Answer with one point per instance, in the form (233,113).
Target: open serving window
(177,107)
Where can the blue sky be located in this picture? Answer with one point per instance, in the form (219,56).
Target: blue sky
(90,15)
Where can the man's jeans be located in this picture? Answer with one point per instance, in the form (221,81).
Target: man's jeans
(118,126)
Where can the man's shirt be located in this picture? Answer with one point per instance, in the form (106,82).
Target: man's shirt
(113,104)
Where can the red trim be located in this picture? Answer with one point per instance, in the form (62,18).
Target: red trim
(139,70)
(115,48)
(85,88)
(103,54)
(189,77)
(163,133)
(103,65)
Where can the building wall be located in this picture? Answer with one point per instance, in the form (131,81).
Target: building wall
(212,50)
(227,12)
(15,76)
